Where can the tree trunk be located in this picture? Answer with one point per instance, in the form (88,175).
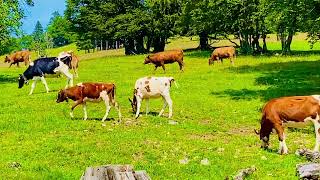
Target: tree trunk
(203,41)
(139,45)
(159,44)
(129,47)
(264,47)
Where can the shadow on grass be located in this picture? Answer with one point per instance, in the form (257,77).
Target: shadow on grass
(8,79)
(282,79)
(92,119)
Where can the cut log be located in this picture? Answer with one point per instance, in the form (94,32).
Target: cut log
(308,171)
(310,155)
(114,172)
(244,173)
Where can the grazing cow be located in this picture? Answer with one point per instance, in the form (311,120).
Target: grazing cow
(166,57)
(94,92)
(152,87)
(74,63)
(224,52)
(295,111)
(42,66)
(17,57)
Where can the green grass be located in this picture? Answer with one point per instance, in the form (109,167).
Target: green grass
(216,107)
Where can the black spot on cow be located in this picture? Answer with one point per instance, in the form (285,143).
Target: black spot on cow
(148,88)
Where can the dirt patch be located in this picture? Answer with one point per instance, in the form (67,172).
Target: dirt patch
(241,131)
(205,137)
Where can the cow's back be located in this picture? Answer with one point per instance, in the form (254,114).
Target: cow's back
(169,56)
(147,87)
(294,108)
(224,52)
(93,90)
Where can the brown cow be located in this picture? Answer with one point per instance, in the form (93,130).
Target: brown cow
(224,52)
(20,56)
(74,63)
(166,57)
(94,92)
(295,111)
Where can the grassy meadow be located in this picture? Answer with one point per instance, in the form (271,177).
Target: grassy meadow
(217,108)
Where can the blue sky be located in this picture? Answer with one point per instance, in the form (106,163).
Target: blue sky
(42,11)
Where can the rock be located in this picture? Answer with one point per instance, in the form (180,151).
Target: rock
(244,173)
(308,171)
(171,122)
(205,162)
(310,155)
(220,150)
(264,158)
(184,161)
(15,165)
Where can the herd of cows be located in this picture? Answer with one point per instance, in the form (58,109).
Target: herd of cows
(277,114)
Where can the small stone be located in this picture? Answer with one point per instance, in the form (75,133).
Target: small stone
(15,165)
(264,158)
(184,161)
(205,162)
(308,171)
(104,125)
(220,150)
(171,122)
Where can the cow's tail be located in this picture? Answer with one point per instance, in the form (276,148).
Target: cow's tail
(172,80)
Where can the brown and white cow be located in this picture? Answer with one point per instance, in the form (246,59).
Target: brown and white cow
(74,63)
(94,92)
(152,87)
(166,57)
(294,111)
(17,57)
(224,52)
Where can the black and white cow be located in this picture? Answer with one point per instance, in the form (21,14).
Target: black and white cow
(41,66)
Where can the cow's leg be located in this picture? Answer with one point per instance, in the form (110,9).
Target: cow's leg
(33,86)
(74,106)
(317,131)
(283,149)
(11,64)
(65,70)
(85,115)
(43,80)
(147,106)
(18,64)
(169,101)
(180,65)
(106,100)
(155,67)
(116,105)
(75,72)
(139,100)
(163,107)
(162,65)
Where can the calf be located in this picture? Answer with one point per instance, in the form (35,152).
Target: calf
(95,92)
(166,57)
(152,87)
(295,111)
(224,52)
(42,66)
(73,63)
(17,57)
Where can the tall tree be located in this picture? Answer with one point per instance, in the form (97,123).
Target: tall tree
(39,43)
(11,13)
(59,30)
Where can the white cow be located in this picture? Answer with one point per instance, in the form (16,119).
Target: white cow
(152,87)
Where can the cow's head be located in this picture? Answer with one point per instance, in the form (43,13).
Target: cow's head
(264,137)
(7,59)
(22,80)
(62,96)
(211,60)
(147,60)
(134,102)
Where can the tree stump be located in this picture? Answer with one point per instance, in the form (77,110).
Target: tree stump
(308,171)
(114,172)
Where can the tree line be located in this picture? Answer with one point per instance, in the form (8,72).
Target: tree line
(143,26)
